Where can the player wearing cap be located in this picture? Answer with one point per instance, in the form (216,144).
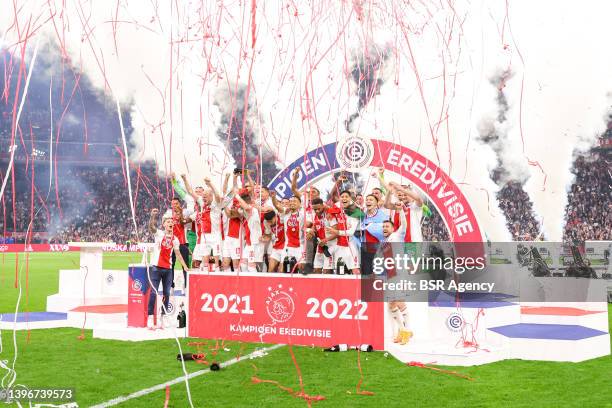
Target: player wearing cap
(166,245)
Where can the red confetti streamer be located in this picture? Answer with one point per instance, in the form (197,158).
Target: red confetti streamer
(454,373)
(167,396)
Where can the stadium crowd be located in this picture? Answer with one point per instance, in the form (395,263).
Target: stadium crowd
(89,204)
(589,207)
(518,209)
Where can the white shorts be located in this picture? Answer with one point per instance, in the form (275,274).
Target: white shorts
(298,253)
(322,261)
(232,248)
(277,254)
(260,249)
(349,255)
(208,244)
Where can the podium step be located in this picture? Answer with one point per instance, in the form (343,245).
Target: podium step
(470,300)
(547,331)
(553,342)
(92,316)
(102,309)
(33,320)
(60,303)
(593,319)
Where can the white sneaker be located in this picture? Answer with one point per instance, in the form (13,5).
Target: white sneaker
(150,324)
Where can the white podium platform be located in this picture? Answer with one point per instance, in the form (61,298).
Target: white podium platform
(90,284)
(444,333)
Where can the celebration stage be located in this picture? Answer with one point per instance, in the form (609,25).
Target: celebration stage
(323,311)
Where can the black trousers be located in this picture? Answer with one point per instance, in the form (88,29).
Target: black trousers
(184,250)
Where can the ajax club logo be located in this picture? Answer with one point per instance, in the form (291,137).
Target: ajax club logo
(136,285)
(454,322)
(354,152)
(279,304)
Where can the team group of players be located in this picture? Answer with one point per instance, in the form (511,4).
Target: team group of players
(244,226)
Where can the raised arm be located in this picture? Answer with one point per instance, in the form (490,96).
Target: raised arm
(210,185)
(276,203)
(294,188)
(234,182)
(176,185)
(153,221)
(251,183)
(410,193)
(225,183)
(188,187)
(388,204)
(380,175)
(335,193)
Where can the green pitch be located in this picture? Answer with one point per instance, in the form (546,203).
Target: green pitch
(100,370)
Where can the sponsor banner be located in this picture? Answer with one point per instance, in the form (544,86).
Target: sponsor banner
(36,248)
(272,308)
(125,248)
(65,248)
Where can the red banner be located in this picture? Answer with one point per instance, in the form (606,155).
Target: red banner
(292,309)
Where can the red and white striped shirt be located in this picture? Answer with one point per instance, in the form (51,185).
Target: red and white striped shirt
(162,252)
(294,228)
(412,216)
(277,231)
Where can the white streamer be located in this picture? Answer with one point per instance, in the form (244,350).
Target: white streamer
(127,166)
(11,374)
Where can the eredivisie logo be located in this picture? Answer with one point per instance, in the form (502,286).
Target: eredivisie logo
(354,152)
(454,322)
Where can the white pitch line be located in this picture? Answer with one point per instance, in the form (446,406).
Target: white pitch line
(159,387)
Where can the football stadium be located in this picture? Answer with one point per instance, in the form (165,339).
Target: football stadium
(328,203)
